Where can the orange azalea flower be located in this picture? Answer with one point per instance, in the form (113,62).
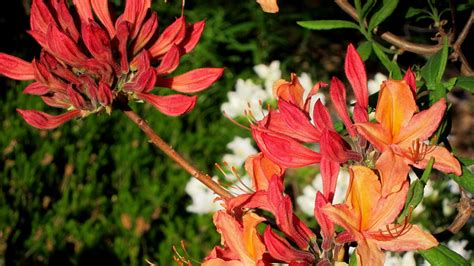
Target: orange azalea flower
(269,6)
(243,246)
(368,218)
(401,135)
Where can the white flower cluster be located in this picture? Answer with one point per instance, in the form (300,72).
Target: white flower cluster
(307,200)
(248,94)
(203,198)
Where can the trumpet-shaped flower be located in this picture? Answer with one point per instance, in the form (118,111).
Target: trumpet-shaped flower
(85,65)
(401,135)
(368,217)
(242,243)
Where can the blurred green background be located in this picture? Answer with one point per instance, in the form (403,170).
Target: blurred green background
(95,191)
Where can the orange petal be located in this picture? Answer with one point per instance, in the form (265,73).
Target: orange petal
(232,234)
(375,134)
(253,244)
(290,91)
(444,160)
(221,262)
(388,208)
(364,193)
(422,125)
(413,239)
(261,169)
(369,253)
(396,105)
(393,171)
(269,6)
(341,214)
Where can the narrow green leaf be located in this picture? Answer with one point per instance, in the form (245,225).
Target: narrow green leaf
(466,180)
(353,259)
(358,8)
(389,65)
(413,12)
(327,24)
(414,197)
(443,256)
(365,49)
(437,91)
(449,85)
(433,70)
(426,174)
(367,8)
(383,13)
(465,161)
(466,83)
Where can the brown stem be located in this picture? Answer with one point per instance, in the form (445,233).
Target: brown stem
(161,144)
(391,38)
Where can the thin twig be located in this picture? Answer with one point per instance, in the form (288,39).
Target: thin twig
(391,38)
(458,54)
(161,144)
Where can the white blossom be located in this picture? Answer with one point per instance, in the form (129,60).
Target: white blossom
(269,74)
(307,200)
(203,198)
(459,247)
(374,84)
(392,259)
(246,93)
(240,148)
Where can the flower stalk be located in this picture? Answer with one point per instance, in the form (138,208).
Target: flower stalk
(168,150)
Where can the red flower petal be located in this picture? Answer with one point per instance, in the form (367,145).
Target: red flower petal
(101,9)
(16,68)
(298,123)
(146,33)
(193,34)
(283,150)
(45,121)
(169,62)
(411,80)
(327,226)
(280,249)
(36,88)
(173,34)
(355,72)
(193,81)
(84,9)
(65,19)
(321,117)
(337,92)
(172,105)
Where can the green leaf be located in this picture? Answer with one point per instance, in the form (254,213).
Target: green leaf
(367,8)
(415,193)
(365,49)
(466,83)
(465,161)
(413,12)
(449,85)
(389,65)
(433,70)
(353,259)
(383,13)
(466,180)
(426,174)
(443,256)
(327,24)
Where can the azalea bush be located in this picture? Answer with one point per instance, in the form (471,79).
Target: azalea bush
(129,85)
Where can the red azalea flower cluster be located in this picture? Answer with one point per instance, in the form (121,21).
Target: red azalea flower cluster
(378,155)
(86,64)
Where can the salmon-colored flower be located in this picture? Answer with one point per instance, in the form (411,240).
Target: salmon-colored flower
(242,243)
(401,135)
(269,6)
(86,64)
(368,217)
